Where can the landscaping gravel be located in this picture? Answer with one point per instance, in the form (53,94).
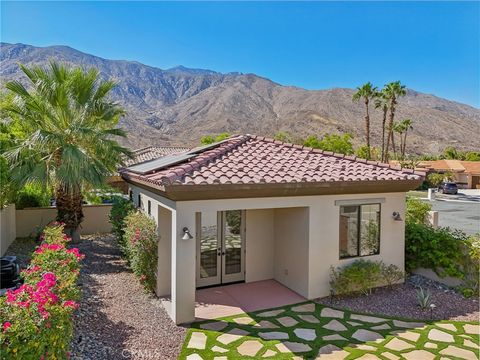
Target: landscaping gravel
(117,319)
(401,301)
(23,249)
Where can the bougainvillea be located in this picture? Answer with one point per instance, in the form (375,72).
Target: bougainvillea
(36,318)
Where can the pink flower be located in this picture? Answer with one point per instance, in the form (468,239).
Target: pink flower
(71,303)
(6,325)
(76,252)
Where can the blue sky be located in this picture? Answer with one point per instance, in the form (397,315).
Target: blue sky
(432,47)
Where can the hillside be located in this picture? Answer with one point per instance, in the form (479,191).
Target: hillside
(179,105)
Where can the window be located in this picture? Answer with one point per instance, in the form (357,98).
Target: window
(139,203)
(149,207)
(359,230)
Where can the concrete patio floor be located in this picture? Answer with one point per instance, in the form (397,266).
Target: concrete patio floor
(227,300)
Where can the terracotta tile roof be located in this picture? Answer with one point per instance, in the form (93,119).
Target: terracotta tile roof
(471,167)
(249,159)
(457,166)
(153,152)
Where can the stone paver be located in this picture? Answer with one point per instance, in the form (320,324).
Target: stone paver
(332,313)
(365,347)
(309,318)
(335,325)
(194,357)
(366,335)
(269,353)
(296,346)
(366,318)
(381,327)
(471,344)
(273,335)
(409,335)
(271,313)
(408,324)
(282,348)
(231,336)
(305,334)
(197,341)
(430,345)
(398,345)
(449,327)
(368,357)
(244,320)
(265,324)
(220,358)
(215,326)
(331,352)
(418,355)
(333,337)
(390,356)
(458,353)
(250,347)
(287,321)
(310,307)
(219,349)
(353,323)
(471,329)
(439,335)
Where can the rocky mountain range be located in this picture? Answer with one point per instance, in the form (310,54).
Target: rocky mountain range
(177,106)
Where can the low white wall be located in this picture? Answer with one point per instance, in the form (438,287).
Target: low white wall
(95,219)
(7,227)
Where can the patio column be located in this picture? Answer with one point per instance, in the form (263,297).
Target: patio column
(164,271)
(183,268)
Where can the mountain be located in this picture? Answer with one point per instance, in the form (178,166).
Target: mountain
(177,106)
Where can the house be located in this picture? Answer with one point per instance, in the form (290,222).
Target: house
(251,208)
(465,173)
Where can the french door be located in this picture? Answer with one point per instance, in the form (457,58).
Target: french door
(220,247)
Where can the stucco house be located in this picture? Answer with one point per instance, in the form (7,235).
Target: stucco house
(251,208)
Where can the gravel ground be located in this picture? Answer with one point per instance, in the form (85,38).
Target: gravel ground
(116,319)
(23,249)
(401,301)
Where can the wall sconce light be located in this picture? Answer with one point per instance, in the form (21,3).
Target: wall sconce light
(186,234)
(396,216)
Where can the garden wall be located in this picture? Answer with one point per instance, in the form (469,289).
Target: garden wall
(7,228)
(96,220)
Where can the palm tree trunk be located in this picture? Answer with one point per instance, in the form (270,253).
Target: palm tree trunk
(384,123)
(69,210)
(390,129)
(367,128)
(404,142)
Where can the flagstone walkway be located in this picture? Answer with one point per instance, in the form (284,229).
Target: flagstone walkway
(313,331)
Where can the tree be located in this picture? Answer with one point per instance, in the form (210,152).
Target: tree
(392,92)
(341,144)
(366,93)
(451,153)
(70,125)
(381,102)
(363,152)
(210,139)
(401,128)
(283,136)
(472,156)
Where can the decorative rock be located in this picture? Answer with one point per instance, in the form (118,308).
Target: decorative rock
(470,344)
(410,335)
(250,347)
(335,325)
(309,318)
(327,312)
(471,329)
(287,321)
(353,323)
(310,307)
(219,349)
(459,353)
(390,356)
(266,324)
(296,346)
(398,345)
(365,318)
(429,345)
(438,335)
(381,327)
(408,324)
(366,335)
(282,348)
(333,337)
(194,357)
(449,327)
(331,352)
(197,341)
(271,313)
(215,326)
(269,353)
(305,334)
(245,320)
(273,335)
(231,336)
(418,355)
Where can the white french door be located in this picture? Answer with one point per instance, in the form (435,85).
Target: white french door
(220,247)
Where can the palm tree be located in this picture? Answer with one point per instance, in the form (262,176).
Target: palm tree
(399,129)
(69,125)
(406,125)
(381,102)
(366,92)
(392,92)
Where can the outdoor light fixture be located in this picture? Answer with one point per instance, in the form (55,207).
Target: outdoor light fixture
(186,234)
(396,216)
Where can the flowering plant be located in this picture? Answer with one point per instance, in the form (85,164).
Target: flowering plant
(36,318)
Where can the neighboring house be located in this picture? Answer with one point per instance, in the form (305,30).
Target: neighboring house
(140,156)
(465,173)
(250,209)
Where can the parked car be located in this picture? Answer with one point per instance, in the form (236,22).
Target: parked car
(448,188)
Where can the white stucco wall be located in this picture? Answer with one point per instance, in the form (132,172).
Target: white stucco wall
(8,230)
(259,257)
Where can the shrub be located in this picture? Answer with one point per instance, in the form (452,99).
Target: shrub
(32,196)
(120,209)
(358,277)
(141,247)
(36,318)
(417,210)
(391,274)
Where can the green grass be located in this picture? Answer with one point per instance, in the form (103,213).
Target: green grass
(348,345)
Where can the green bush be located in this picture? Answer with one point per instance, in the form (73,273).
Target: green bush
(391,274)
(120,209)
(32,196)
(417,210)
(36,318)
(141,247)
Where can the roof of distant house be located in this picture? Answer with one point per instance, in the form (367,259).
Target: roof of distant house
(456,166)
(152,153)
(252,163)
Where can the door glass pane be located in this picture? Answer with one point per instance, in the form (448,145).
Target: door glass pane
(233,241)
(348,231)
(370,229)
(208,245)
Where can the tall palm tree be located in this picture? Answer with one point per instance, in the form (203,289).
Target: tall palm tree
(406,125)
(366,92)
(381,102)
(392,92)
(69,125)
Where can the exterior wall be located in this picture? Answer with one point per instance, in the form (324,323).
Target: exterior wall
(7,227)
(291,248)
(259,259)
(95,221)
